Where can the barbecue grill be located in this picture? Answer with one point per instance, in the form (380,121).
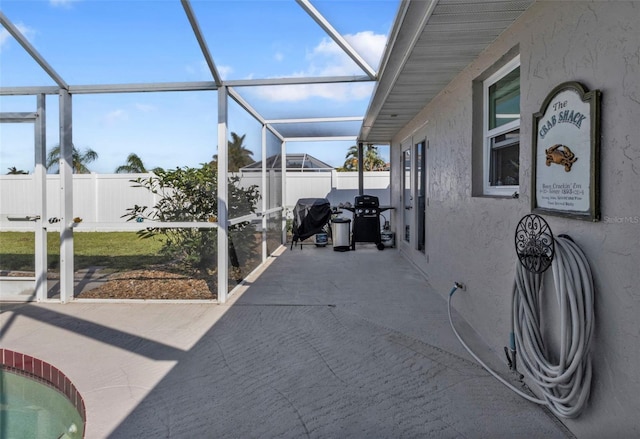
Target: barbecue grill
(366,221)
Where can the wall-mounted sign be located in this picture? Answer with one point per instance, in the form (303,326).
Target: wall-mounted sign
(566,153)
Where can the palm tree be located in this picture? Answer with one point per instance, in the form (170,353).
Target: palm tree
(372,160)
(15,171)
(237,153)
(80,160)
(134,165)
(351,160)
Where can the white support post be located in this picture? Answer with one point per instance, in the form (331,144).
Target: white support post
(223,197)
(40,176)
(360,169)
(66,198)
(265,193)
(283,164)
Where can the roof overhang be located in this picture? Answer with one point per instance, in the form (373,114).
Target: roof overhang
(431,42)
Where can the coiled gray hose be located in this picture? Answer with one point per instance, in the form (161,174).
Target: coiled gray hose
(565,384)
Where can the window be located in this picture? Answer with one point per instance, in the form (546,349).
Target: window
(501,103)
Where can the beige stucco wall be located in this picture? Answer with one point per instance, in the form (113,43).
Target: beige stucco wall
(470,239)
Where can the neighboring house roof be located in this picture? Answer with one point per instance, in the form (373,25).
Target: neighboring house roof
(295,162)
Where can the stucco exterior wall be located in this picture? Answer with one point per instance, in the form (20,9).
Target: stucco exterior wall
(470,238)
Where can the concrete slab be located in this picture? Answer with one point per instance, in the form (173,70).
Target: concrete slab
(321,344)
(18,289)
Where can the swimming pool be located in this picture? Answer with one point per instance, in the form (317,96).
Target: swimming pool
(37,400)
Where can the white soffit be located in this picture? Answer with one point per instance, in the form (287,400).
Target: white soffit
(431,43)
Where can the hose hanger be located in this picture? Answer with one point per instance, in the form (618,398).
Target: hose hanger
(534,243)
(562,378)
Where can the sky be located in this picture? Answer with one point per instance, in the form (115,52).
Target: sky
(89,42)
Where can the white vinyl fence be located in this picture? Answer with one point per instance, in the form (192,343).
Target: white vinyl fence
(104,198)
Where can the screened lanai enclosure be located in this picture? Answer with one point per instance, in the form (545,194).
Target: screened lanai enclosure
(124,125)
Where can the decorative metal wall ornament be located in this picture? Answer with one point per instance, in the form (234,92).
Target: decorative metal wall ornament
(534,243)
(569,115)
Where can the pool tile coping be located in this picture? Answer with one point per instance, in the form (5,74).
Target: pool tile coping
(48,374)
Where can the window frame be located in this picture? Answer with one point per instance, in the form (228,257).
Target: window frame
(489,134)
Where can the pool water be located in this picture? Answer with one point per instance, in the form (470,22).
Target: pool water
(30,409)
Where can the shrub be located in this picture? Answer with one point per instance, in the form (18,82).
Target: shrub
(191,194)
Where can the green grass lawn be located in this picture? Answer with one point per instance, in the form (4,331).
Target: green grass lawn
(114,250)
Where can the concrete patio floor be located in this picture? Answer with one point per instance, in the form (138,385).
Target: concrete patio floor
(320,344)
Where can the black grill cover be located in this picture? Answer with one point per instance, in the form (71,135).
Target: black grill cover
(309,217)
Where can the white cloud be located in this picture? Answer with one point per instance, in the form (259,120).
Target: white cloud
(5,36)
(116,116)
(121,115)
(295,93)
(145,108)
(62,3)
(224,71)
(370,46)
(199,70)
(328,59)
(325,59)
